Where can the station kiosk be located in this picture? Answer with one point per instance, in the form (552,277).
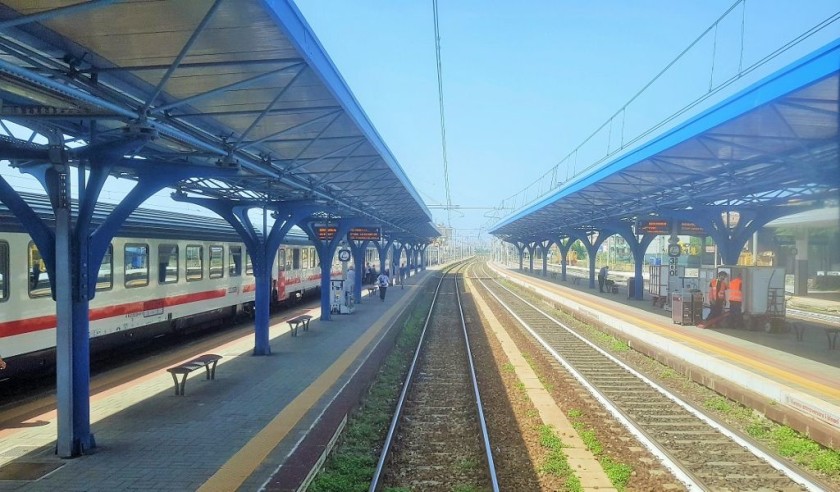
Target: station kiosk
(663,285)
(341,290)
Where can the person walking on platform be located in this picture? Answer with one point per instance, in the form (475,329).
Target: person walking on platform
(383,282)
(602,278)
(402,276)
(717,298)
(736,317)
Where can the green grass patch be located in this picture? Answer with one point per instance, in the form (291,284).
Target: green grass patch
(352,462)
(556,462)
(618,473)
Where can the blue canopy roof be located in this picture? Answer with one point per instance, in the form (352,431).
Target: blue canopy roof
(242,84)
(773,144)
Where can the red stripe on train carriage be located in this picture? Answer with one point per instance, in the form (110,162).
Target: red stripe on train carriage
(30,325)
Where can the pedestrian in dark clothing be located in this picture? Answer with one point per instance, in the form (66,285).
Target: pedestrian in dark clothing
(602,278)
(402,276)
(383,282)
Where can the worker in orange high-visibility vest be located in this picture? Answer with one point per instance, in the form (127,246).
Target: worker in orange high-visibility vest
(717,298)
(736,317)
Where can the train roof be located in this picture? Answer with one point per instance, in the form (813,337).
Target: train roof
(143,223)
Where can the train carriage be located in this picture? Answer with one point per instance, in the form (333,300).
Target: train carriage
(164,273)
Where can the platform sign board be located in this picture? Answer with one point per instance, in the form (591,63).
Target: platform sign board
(654,226)
(690,229)
(325,232)
(365,234)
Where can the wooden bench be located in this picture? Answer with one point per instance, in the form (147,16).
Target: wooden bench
(302,320)
(207,361)
(610,286)
(576,280)
(372,290)
(658,301)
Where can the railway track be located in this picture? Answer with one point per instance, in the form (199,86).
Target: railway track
(699,451)
(438,438)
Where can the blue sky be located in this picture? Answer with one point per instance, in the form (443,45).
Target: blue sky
(526,82)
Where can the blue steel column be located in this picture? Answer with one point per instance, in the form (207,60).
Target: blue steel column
(730,238)
(520,246)
(544,247)
(638,246)
(564,255)
(532,247)
(326,251)
(423,258)
(592,251)
(382,248)
(262,247)
(357,248)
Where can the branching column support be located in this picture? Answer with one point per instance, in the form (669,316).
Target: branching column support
(423,259)
(732,228)
(532,248)
(262,247)
(358,248)
(638,246)
(520,246)
(326,251)
(591,250)
(73,253)
(544,247)
(382,248)
(564,245)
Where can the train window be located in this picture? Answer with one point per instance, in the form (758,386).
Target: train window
(168,263)
(105,277)
(39,279)
(249,267)
(136,265)
(217,261)
(235,261)
(304,257)
(296,258)
(281,260)
(195,263)
(4,271)
(313,258)
(289,255)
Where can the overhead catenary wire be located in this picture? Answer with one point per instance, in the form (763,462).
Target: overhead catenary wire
(442,117)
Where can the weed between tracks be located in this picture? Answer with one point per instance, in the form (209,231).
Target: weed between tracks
(351,464)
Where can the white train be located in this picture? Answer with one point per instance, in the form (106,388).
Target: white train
(163,274)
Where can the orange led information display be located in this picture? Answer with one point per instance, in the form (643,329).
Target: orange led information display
(325,233)
(657,226)
(364,234)
(691,229)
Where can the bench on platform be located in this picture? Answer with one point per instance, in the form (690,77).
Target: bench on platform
(372,290)
(610,286)
(295,323)
(658,301)
(576,280)
(207,361)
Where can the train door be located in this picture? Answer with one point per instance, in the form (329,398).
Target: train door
(281,274)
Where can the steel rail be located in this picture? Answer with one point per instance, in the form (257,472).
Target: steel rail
(663,455)
(389,439)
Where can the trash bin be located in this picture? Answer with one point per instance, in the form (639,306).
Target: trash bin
(631,287)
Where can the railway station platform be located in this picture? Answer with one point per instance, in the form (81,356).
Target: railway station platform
(231,433)
(795,378)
